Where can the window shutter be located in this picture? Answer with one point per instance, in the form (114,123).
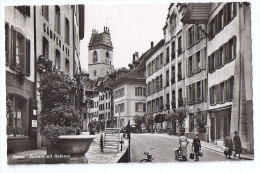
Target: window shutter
(136,104)
(234,9)
(203,58)
(136,90)
(7,44)
(226,52)
(144,107)
(231,86)
(225,14)
(205,90)
(209,63)
(234,44)
(28,54)
(13,37)
(144,91)
(195,62)
(211,96)
(188,96)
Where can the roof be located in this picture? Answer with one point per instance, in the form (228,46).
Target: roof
(101,38)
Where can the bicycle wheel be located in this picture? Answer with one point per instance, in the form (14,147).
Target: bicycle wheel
(145,160)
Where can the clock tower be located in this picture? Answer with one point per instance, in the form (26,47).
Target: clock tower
(100,54)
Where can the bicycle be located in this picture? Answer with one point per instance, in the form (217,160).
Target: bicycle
(149,156)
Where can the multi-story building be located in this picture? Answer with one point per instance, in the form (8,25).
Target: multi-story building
(20,75)
(58,31)
(229,58)
(129,91)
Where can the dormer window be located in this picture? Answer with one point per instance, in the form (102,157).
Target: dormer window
(95,57)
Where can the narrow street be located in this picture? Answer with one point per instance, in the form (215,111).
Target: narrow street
(164,147)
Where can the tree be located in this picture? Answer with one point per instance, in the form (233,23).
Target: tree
(201,120)
(149,120)
(139,120)
(58,116)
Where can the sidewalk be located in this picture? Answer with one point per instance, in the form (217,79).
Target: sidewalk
(94,155)
(215,148)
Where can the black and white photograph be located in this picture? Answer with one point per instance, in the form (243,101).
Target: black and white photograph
(99,83)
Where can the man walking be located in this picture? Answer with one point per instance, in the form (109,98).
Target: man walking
(197,146)
(237,143)
(229,145)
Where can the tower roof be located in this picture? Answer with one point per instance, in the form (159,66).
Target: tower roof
(100,39)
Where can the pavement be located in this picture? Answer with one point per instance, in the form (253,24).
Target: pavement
(213,147)
(94,155)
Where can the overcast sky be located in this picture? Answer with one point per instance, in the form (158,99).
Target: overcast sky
(132,26)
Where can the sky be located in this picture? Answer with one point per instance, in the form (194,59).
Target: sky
(133,26)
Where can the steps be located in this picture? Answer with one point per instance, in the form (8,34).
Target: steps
(111,138)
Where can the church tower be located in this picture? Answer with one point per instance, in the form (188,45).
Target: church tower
(100,54)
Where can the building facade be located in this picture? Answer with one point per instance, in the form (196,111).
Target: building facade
(37,34)
(20,77)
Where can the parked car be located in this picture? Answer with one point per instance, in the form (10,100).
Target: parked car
(133,129)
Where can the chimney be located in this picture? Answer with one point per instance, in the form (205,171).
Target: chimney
(133,57)
(137,55)
(151,44)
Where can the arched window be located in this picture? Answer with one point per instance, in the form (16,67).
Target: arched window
(107,55)
(95,58)
(95,73)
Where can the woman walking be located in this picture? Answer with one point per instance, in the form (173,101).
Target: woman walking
(237,143)
(229,145)
(197,146)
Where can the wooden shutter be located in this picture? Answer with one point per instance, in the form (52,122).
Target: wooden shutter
(205,89)
(13,37)
(136,90)
(193,63)
(234,46)
(225,14)
(28,58)
(234,9)
(136,107)
(7,44)
(203,58)
(209,63)
(188,96)
(144,107)
(211,96)
(231,87)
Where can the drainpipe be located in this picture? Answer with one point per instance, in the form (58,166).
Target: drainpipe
(239,25)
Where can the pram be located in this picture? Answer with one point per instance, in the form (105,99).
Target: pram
(181,152)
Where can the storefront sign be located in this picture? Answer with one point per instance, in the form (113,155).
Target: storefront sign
(34,123)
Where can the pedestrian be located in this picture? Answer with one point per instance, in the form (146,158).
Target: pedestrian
(197,146)
(237,144)
(229,145)
(183,141)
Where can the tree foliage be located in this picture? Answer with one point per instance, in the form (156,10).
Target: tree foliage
(58,116)
(139,120)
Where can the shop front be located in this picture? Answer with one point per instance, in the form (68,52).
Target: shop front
(219,125)
(21,114)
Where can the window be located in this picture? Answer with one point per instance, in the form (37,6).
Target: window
(157,83)
(158,66)
(180,100)
(107,55)
(190,36)
(20,49)
(199,93)
(57,59)
(57,19)
(173,50)
(67,31)
(167,101)
(198,65)
(167,78)
(95,73)
(95,57)
(161,103)
(67,65)
(167,55)
(179,72)
(15,119)
(154,65)
(45,12)
(179,45)
(190,70)
(173,99)
(140,107)
(7,41)
(160,82)
(161,59)
(157,104)
(173,75)
(45,48)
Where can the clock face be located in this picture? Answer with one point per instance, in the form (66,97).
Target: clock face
(106,39)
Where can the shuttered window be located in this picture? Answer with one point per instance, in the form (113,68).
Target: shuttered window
(7,46)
